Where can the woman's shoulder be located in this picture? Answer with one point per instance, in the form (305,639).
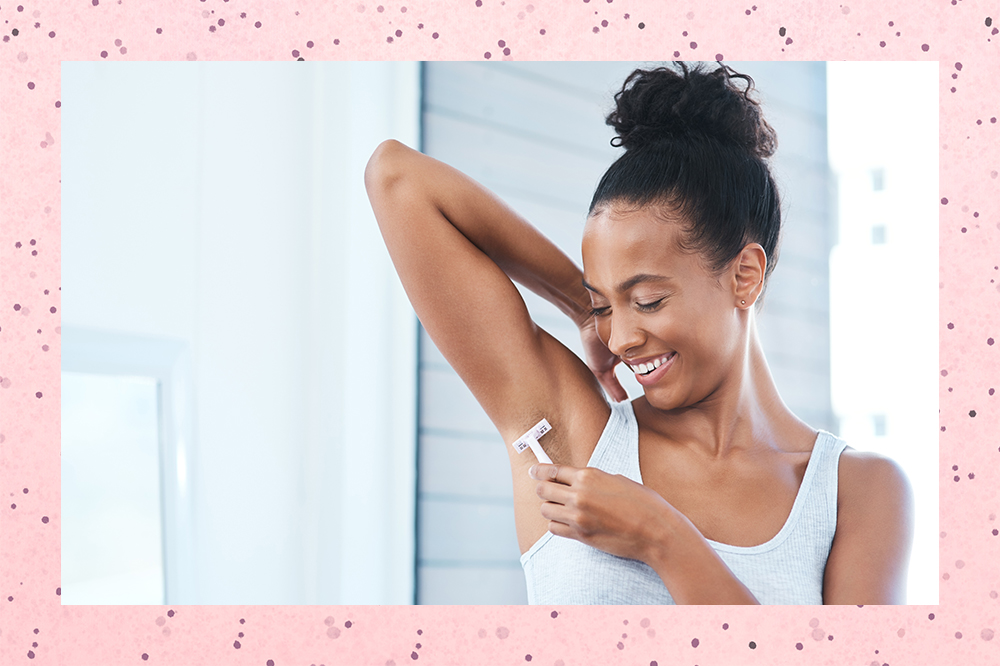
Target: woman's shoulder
(871,483)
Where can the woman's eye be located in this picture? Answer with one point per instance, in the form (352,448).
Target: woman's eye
(600,312)
(649,306)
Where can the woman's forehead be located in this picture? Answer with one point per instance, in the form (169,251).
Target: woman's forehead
(624,242)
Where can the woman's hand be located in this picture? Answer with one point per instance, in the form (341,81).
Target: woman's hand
(609,512)
(624,518)
(601,361)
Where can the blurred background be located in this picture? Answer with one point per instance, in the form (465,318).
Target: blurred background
(251,413)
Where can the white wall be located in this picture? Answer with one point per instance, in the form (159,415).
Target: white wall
(221,205)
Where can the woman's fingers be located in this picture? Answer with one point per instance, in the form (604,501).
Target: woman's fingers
(609,380)
(564,474)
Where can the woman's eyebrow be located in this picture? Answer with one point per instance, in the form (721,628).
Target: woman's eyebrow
(631,282)
(638,279)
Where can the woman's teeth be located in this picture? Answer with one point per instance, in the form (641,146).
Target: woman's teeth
(646,368)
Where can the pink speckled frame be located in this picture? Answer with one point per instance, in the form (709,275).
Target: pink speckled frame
(36,628)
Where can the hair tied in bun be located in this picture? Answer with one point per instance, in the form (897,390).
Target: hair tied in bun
(687,103)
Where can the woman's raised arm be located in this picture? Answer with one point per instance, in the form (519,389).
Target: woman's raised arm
(456,247)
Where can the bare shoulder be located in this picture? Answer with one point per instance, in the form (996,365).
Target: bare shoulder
(869,557)
(869,481)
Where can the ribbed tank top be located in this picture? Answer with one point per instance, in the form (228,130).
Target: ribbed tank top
(787,569)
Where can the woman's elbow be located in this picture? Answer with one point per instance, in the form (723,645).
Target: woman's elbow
(384,166)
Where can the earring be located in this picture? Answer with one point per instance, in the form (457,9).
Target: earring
(743,302)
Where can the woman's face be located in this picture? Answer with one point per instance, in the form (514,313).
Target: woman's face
(658,308)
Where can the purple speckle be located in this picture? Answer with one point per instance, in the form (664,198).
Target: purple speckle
(399,33)
(604,24)
(295,53)
(621,646)
(348,624)
(45,519)
(170,613)
(239,635)
(753,645)
(270,662)
(487,55)
(958,634)
(989,341)
(986,634)
(435,35)
(556,614)
(991,391)
(58,591)
(222,22)
(104,54)
(336,42)
(694,642)
(972,413)
(257,24)
(882,44)
(798,646)
(145,657)
(506,51)
(725,626)
(642,25)
(159,31)
(930,616)
(596,30)
(503,632)
(694,45)
(788,40)
(527,657)
(31,655)
(31,85)
(925,47)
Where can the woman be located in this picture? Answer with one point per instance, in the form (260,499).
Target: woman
(706,489)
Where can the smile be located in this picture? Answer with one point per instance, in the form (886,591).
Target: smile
(643,369)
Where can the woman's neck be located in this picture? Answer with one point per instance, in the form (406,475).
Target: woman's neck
(744,412)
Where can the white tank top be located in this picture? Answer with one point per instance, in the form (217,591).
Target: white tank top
(788,569)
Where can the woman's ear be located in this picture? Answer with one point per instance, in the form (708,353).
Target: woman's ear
(748,278)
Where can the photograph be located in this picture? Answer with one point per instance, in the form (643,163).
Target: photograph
(478,333)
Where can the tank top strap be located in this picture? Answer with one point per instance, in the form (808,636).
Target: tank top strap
(617,451)
(828,447)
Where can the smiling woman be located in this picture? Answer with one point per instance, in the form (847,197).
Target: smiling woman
(707,488)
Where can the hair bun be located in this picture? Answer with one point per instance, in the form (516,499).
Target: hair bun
(665,104)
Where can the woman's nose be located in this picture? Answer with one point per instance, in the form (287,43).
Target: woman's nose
(623,334)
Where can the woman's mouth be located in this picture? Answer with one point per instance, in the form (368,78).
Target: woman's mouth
(650,371)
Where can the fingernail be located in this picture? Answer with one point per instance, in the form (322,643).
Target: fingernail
(531,471)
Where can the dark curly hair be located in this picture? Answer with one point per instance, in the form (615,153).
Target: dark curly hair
(696,142)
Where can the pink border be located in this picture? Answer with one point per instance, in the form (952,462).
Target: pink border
(960,629)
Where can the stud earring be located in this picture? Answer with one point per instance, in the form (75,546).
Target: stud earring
(743,302)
